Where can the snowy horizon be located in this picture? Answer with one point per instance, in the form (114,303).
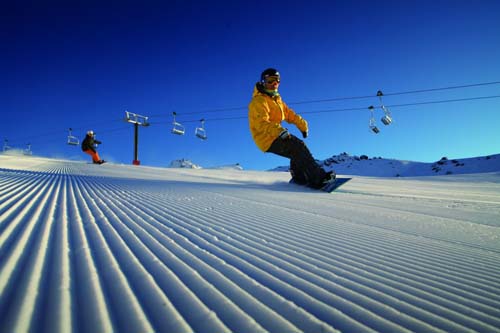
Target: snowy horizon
(363,165)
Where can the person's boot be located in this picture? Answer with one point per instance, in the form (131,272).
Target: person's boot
(297,178)
(321,178)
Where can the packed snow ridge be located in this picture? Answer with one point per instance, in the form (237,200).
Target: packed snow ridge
(123,248)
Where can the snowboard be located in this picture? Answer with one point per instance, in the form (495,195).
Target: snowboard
(98,163)
(334,184)
(331,186)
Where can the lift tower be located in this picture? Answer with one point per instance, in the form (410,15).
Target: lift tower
(137,120)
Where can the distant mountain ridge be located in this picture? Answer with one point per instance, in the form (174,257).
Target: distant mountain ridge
(363,165)
(184,163)
(187,164)
(381,167)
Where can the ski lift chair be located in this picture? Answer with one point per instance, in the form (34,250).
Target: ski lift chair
(374,129)
(72,140)
(386,119)
(178,128)
(373,126)
(200,131)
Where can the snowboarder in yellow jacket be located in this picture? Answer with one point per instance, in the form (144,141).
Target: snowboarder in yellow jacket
(266,112)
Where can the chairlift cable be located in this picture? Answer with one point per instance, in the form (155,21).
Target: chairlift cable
(344,98)
(441,89)
(445,101)
(53,133)
(354,109)
(395,93)
(57,136)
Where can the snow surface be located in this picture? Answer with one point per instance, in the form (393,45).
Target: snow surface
(102,248)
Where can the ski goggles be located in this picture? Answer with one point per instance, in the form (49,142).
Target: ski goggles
(272,79)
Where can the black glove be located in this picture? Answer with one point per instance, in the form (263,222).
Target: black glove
(304,134)
(284,135)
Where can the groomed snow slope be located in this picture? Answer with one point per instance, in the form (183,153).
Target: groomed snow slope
(88,248)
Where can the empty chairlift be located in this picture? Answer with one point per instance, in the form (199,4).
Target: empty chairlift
(372,125)
(387,118)
(200,131)
(72,140)
(177,127)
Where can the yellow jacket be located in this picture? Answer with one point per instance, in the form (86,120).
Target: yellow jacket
(265,114)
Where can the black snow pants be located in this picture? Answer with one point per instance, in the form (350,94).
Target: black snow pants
(303,167)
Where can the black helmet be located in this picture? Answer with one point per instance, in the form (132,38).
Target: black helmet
(269,72)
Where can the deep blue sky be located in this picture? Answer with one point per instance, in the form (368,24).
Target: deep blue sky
(81,64)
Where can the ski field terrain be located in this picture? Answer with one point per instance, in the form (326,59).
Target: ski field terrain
(122,248)
(383,167)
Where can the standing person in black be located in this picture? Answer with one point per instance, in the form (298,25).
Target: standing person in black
(88,147)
